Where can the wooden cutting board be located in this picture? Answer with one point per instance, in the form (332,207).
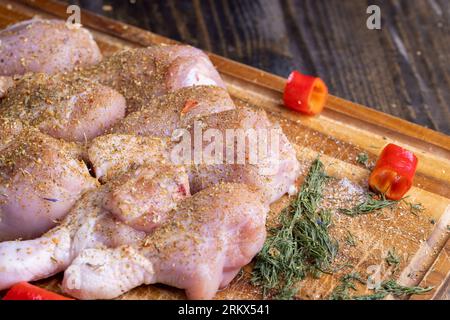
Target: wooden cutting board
(339,134)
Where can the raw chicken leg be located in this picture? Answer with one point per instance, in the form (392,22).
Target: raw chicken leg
(200,248)
(90,225)
(87,225)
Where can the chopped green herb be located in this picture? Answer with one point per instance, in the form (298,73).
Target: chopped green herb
(371,204)
(392,259)
(301,244)
(350,239)
(341,292)
(415,208)
(392,287)
(362,158)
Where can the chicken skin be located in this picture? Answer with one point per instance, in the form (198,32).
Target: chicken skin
(142,197)
(163,115)
(142,74)
(66,107)
(255,151)
(200,248)
(273,171)
(47,46)
(41,178)
(113,155)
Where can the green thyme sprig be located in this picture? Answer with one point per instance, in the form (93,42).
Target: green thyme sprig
(301,245)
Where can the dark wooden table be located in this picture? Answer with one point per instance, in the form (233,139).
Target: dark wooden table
(402,69)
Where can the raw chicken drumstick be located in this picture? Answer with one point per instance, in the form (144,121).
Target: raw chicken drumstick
(87,225)
(200,248)
(41,178)
(47,46)
(90,225)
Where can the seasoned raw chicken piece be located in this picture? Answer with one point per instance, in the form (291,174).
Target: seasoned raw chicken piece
(40,179)
(125,268)
(90,225)
(87,225)
(162,115)
(67,107)
(145,73)
(141,198)
(200,248)
(47,46)
(115,154)
(255,151)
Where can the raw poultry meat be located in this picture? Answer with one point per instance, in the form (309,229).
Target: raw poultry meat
(40,180)
(142,74)
(141,198)
(48,46)
(115,154)
(163,115)
(201,248)
(66,107)
(88,225)
(141,225)
(275,178)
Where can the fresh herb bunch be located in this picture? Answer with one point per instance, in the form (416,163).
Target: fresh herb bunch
(371,204)
(301,245)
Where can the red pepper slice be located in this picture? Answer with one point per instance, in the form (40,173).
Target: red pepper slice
(26,291)
(305,94)
(189,105)
(394,172)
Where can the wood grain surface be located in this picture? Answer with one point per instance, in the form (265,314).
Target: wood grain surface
(339,134)
(402,69)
